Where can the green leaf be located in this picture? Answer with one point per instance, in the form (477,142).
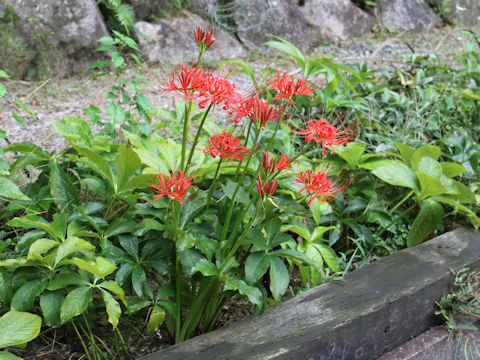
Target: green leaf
(4,355)
(452,169)
(396,173)
(251,292)
(3,74)
(120,226)
(328,254)
(138,280)
(406,152)
(39,247)
(229,190)
(26,294)
(430,216)
(113,287)
(129,244)
(113,308)
(25,108)
(50,303)
(464,193)
(205,267)
(256,266)
(76,131)
(128,163)
(9,190)
(351,153)
(430,151)
(320,230)
(18,328)
(429,186)
(3,91)
(296,257)
(470,214)
(157,317)
(98,164)
(75,303)
(70,246)
(62,190)
(279,278)
(88,265)
(430,167)
(299,229)
(65,279)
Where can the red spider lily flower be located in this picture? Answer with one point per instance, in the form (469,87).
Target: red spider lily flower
(226,146)
(259,111)
(184,80)
(273,165)
(267,188)
(175,186)
(217,90)
(318,184)
(328,134)
(204,39)
(287,86)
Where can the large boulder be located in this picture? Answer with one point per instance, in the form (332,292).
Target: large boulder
(337,20)
(171,41)
(59,31)
(464,12)
(406,15)
(258,21)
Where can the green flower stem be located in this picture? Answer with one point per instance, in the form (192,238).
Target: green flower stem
(210,190)
(238,219)
(401,202)
(81,340)
(177,298)
(195,141)
(237,188)
(279,122)
(186,126)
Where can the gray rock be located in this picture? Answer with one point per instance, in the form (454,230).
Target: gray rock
(68,29)
(257,21)
(406,15)
(464,12)
(337,20)
(172,41)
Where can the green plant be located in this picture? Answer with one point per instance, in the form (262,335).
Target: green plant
(118,15)
(17,328)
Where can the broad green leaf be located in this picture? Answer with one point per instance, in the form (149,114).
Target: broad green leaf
(28,148)
(229,190)
(75,130)
(25,108)
(205,267)
(157,317)
(19,262)
(3,74)
(128,163)
(8,356)
(351,153)
(18,328)
(318,209)
(452,169)
(130,244)
(40,247)
(396,173)
(135,305)
(19,118)
(62,190)
(65,279)
(298,229)
(26,294)
(475,220)
(70,246)
(320,230)
(188,259)
(296,257)
(138,280)
(430,151)
(50,303)
(255,237)
(430,216)
(113,308)
(88,265)
(429,186)
(251,292)
(256,266)
(406,152)
(10,190)
(430,167)
(75,303)
(464,193)
(98,164)
(120,226)
(186,241)
(113,287)
(328,254)
(105,266)
(279,278)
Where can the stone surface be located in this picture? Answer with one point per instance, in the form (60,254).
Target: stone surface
(406,15)
(464,12)
(257,21)
(68,28)
(338,20)
(172,41)
(439,344)
(378,308)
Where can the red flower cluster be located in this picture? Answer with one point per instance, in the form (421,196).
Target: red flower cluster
(267,188)
(175,186)
(288,85)
(318,184)
(259,111)
(184,80)
(329,135)
(204,39)
(217,90)
(226,146)
(271,166)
